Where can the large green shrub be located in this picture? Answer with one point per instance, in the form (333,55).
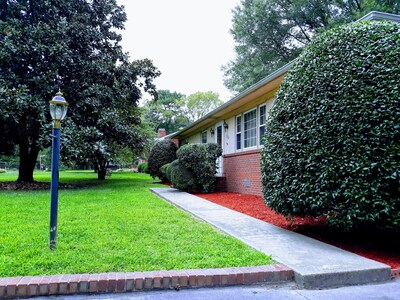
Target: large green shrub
(182,178)
(198,161)
(162,153)
(166,171)
(333,137)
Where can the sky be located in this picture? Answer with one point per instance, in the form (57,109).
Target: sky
(187,40)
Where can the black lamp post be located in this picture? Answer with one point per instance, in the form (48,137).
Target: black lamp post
(58,110)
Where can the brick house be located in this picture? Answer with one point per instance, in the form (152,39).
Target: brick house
(238,127)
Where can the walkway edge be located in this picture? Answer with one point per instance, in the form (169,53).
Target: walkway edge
(315,264)
(30,286)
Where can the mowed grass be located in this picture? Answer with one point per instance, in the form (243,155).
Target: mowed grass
(116,225)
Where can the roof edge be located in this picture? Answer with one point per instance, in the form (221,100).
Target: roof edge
(380,16)
(247,91)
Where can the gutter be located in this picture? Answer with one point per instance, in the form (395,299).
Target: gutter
(247,91)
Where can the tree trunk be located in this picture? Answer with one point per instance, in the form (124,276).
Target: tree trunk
(101,173)
(27,161)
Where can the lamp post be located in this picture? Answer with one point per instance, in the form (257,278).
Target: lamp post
(58,110)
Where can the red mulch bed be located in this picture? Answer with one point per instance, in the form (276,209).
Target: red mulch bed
(379,247)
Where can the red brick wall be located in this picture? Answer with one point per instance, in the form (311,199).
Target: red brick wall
(242,171)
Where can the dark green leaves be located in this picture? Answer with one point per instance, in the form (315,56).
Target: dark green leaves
(333,140)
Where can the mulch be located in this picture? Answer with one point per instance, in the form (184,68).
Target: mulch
(382,247)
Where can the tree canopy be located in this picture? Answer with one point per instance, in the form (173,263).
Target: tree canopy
(167,112)
(72,46)
(173,111)
(271,33)
(201,103)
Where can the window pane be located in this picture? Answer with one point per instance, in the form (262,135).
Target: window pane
(239,124)
(219,136)
(263,115)
(250,125)
(204,137)
(238,141)
(262,133)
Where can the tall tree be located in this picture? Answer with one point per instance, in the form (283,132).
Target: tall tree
(200,103)
(71,45)
(167,112)
(271,33)
(114,119)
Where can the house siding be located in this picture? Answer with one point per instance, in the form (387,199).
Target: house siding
(242,171)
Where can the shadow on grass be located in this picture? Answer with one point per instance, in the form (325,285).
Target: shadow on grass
(76,180)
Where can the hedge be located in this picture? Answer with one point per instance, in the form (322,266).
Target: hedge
(162,153)
(195,168)
(333,137)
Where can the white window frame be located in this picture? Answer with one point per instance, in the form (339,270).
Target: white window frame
(201,137)
(240,140)
(259,125)
(244,131)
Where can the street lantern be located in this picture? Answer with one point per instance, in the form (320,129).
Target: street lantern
(58,111)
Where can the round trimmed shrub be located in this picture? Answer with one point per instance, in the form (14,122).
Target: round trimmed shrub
(333,137)
(162,153)
(182,178)
(166,171)
(198,161)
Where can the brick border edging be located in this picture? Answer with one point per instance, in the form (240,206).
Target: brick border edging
(29,286)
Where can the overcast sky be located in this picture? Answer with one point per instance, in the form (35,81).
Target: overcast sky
(187,40)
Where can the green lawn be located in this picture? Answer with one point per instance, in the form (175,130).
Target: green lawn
(117,225)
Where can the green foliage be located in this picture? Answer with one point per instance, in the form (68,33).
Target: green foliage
(271,33)
(333,137)
(182,178)
(74,46)
(143,167)
(172,111)
(199,104)
(166,171)
(195,169)
(162,153)
(2,171)
(116,225)
(167,112)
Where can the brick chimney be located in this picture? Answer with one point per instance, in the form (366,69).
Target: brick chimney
(161,132)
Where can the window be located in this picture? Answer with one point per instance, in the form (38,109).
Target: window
(219,136)
(262,119)
(250,129)
(238,132)
(204,137)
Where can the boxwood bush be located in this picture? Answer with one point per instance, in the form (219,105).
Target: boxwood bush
(182,178)
(166,171)
(195,168)
(333,137)
(162,153)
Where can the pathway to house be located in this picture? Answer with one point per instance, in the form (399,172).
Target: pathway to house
(315,264)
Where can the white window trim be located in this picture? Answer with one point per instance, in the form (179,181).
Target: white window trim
(201,137)
(241,133)
(259,124)
(246,112)
(258,138)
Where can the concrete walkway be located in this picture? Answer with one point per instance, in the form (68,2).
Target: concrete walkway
(315,264)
